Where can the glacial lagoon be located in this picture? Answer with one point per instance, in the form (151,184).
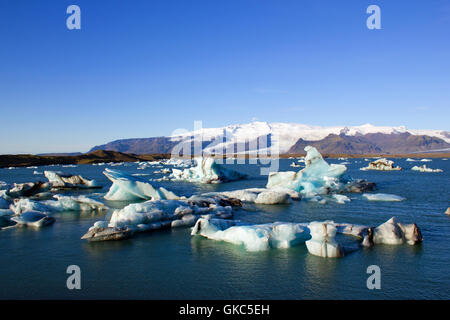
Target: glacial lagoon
(172,264)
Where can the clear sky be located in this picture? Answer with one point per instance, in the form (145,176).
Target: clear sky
(146,68)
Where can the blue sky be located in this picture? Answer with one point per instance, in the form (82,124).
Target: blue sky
(146,68)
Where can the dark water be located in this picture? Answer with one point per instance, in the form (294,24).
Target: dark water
(173,265)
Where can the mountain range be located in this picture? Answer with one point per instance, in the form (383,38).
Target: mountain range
(291,138)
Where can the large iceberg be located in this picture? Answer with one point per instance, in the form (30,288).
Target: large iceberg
(319,237)
(318,177)
(28,189)
(252,237)
(206,170)
(61,181)
(159,214)
(127,187)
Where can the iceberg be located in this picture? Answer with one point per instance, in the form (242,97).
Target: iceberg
(319,237)
(206,171)
(252,237)
(382,197)
(340,198)
(394,233)
(381,165)
(260,195)
(33,219)
(127,187)
(60,181)
(102,233)
(63,203)
(424,168)
(323,243)
(426,160)
(158,214)
(28,189)
(447,211)
(318,177)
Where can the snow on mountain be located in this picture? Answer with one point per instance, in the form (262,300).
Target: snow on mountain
(287,134)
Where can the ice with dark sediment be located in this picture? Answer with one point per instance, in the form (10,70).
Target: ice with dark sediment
(68,181)
(319,236)
(158,214)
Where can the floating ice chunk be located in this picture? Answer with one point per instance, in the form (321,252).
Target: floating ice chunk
(158,214)
(206,171)
(101,233)
(35,172)
(340,198)
(272,197)
(393,232)
(33,219)
(382,197)
(426,160)
(261,195)
(27,189)
(381,165)
(411,160)
(63,203)
(60,181)
(322,241)
(128,187)
(252,237)
(424,168)
(293,164)
(447,211)
(318,177)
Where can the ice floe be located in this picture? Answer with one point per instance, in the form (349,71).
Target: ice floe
(127,187)
(447,211)
(424,168)
(318,177)
(206,170)
(158,214)
(322,242)
(61,181)
(252,237)
(33,219)
(62,203)
(28,189)
(382,197)
(319,237)
(382,165)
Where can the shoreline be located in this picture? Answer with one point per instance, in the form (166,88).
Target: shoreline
(29,160)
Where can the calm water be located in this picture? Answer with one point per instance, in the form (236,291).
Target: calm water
(173,265)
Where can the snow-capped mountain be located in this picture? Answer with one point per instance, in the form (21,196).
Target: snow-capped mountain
(289,137)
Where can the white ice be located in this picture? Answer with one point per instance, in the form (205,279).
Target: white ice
(69,181)
(127,187)
(62,203)
(424,168)
(382,197)
(206,170)
(253,237)
(318,177)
